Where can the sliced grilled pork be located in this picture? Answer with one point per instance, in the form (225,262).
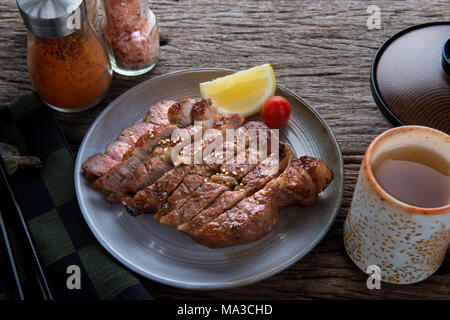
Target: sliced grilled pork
(228,121)
(208,191)
(180,112)
(117,149)
(242,164)
(146,173)
(218,204)
(143,171)
(247,153)
(217,157)
(153,197)
(152,168)
(268,169)
(160,161)
(224,179)
(110,182)
(132,133)
(199,199)
(184,191)
(98,164)
(203,110)
(157,113)
(186,111)
(254,217)
(225,201)
(303,180)
(193,153)
(256,179)
(234,168)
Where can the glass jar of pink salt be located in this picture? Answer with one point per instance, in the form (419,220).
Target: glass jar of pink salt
(92,11)
(130,30)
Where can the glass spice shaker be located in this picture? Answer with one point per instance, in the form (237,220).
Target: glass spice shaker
(67,60)
(130,29)
(92,10)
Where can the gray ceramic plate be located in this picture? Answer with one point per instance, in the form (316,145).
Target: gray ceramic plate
(168,256)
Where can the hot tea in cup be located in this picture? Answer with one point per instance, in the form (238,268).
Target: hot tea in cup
(399,218)
(417,176)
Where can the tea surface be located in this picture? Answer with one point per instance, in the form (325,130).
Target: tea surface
(414,175)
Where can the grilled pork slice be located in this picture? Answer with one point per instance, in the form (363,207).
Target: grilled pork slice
(236,158)
(110,182)
(141,170)
(254,217)
(225,201)
(152,168)
(215,160)
(160,161)
(117,149)
(98,164)
(132,133)
(224,122)
(221,178)
(196,152)
(203,110)
(179,112)
(199,199)
(157,113)
(184,191)
(210,172)
(256,179)
(185,111)
(152,198)
(242,164)
(210,190)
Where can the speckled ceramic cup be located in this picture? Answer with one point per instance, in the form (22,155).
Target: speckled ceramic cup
(407,243)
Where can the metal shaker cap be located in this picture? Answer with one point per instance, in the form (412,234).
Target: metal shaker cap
(52,18)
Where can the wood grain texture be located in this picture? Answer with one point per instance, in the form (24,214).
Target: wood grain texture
(322,50)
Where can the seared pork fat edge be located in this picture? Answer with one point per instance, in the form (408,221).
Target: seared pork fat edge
(207,174)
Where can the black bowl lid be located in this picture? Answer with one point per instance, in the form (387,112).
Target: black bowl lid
(410,76)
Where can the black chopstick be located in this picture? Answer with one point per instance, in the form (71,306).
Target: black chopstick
(39,271)
(14,274)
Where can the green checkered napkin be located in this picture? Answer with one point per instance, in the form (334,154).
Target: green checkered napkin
(47,198)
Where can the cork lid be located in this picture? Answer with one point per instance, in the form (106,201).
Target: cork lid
(410,77)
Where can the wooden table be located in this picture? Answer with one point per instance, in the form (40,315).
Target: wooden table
(322,50)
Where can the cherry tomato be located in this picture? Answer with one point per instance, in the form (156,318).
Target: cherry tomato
(276,112)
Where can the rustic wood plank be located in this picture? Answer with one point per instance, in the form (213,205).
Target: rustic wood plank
(322,50)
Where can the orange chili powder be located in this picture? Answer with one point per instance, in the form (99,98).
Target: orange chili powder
(69,72)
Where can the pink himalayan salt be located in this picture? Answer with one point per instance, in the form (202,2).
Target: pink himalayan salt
(92,10)
(133,35)
(125,13)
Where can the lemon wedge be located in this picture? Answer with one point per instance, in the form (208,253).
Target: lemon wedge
(243,92)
